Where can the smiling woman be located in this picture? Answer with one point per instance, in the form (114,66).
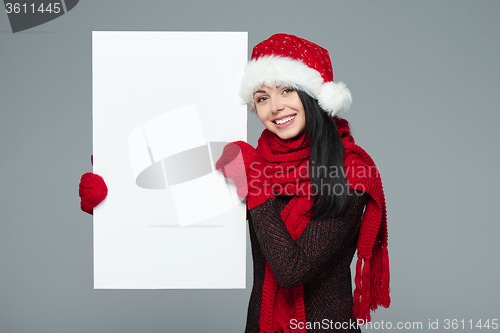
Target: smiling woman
(280,110)
(306,227)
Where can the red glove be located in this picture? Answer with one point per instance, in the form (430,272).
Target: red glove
(245,166)
(92,191)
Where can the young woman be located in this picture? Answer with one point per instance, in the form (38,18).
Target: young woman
(314,197)
(307,185)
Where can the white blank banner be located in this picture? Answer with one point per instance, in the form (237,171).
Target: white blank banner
(164,105)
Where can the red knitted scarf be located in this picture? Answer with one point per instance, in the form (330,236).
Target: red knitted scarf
(287,162)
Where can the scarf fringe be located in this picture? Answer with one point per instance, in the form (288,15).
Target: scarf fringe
(372,284)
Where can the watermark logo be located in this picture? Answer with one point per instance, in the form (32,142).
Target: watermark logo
(25,15)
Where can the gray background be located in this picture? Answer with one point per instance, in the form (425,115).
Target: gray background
(425,82)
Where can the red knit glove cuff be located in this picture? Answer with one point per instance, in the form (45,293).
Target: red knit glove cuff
(92,191)
(258,196)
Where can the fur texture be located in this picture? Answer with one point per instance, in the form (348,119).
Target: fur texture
(333,97)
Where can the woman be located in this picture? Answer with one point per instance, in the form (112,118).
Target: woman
(306,187)
(305,209)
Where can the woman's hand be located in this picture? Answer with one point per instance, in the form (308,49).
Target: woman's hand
(245,166)
(92,191)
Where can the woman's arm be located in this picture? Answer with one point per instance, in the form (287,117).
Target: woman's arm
(295,262)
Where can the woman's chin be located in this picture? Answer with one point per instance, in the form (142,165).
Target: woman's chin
(287,135)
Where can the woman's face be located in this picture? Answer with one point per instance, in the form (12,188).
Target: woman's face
(280,110)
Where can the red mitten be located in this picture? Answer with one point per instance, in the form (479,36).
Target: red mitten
(245,166)
(92,191)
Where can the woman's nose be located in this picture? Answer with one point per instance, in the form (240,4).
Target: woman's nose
(276,105)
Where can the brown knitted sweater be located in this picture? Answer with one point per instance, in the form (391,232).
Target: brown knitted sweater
(320,259)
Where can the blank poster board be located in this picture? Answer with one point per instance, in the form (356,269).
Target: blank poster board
(164,106)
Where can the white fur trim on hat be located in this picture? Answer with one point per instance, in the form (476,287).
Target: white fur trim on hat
(333,97)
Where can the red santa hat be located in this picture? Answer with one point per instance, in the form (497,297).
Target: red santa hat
(295,62)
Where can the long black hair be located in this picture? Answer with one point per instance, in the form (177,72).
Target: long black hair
(326,164)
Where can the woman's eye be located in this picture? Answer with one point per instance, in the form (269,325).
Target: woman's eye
(261,99)
(287,90)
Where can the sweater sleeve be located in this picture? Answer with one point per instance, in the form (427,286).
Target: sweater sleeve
(294,262)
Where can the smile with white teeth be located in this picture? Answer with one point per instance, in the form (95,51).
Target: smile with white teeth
(284,120)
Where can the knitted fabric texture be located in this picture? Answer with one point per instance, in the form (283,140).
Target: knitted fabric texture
(296,62)
(287,160)
(319,261)
(92,191)
(372,267)
(244,165)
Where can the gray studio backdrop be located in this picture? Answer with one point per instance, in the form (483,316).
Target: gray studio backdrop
(425,78)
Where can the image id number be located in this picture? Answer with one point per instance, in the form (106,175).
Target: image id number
(18,8)
(462,324)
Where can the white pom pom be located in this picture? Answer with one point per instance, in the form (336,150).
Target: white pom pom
(335,98)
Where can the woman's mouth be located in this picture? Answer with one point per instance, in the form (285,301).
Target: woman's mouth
(284,122)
